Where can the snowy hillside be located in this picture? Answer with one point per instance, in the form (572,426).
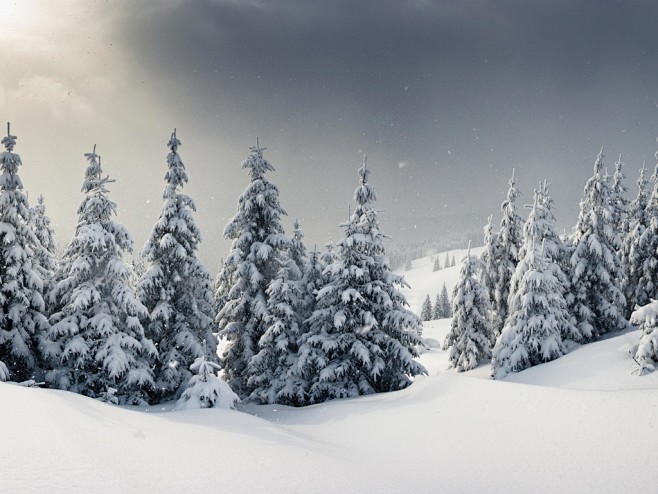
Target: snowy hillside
(583,423)
(424,281)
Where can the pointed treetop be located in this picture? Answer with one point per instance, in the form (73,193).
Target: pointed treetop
(10,141)
(598,164)
(363,171)
(91,155)
(173,142)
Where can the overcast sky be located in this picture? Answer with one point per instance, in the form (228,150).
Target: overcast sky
(445,97)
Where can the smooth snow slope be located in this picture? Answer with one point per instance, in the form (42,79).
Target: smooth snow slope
(580,424)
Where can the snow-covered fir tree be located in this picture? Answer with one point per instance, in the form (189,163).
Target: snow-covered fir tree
(96,341)
(329,255)
(488,272)
(540,228)
(509,240)
(446,263)
(453,263)
(205,389)
(259,244)
(538,314)
(176,288)
(408,265)
(436,265)
(598,303)
(633,252)
(222,285)
(471,334)
(618,201)
(646,354)
(647,249)
(22,322)
(443,308)
(361,338)
(426,312)
(297,251)
(270,377)
(45,250)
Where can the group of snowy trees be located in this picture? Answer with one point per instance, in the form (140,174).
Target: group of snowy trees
(534,291)
(296,327)
(441,309)
(81,323)
(301,328)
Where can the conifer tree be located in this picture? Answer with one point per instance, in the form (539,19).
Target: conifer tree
(408,265)
(22,322)
(618,201)
(270,376)
(540,229)
(488,273)
(297,251)
(176,288)
(647,248)
(205,389)
(646,354)
(258,247)
(538,313)
(453,263)
(96,340)
(471,334)
(598,303)
(509,241)
(361,338)
(436,308)
(446,263)
(444,305)
(633,253)
(45,250)
(426,311)
(436,266)
(223,285)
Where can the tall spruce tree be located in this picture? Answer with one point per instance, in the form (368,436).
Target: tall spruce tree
(361,338)
(538,315)
(270,377)
(633,253)
(598,304)
(45,250)
(488,272)
(426,313)
(96,340)
(443,306)
(297,251)
(22,322)
(471,334)
(259,244)
(507,254)
(619,202)
(540,229)
(176,288)
(648,248)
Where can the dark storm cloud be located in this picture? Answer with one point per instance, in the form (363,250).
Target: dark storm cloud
(457,89)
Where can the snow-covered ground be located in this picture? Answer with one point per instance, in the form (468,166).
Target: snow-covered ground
(583,423)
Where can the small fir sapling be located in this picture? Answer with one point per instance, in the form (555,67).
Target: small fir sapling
(205,389)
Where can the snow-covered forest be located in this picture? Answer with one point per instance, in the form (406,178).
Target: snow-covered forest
(281,327)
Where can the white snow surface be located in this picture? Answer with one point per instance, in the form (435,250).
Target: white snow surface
(583,423)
